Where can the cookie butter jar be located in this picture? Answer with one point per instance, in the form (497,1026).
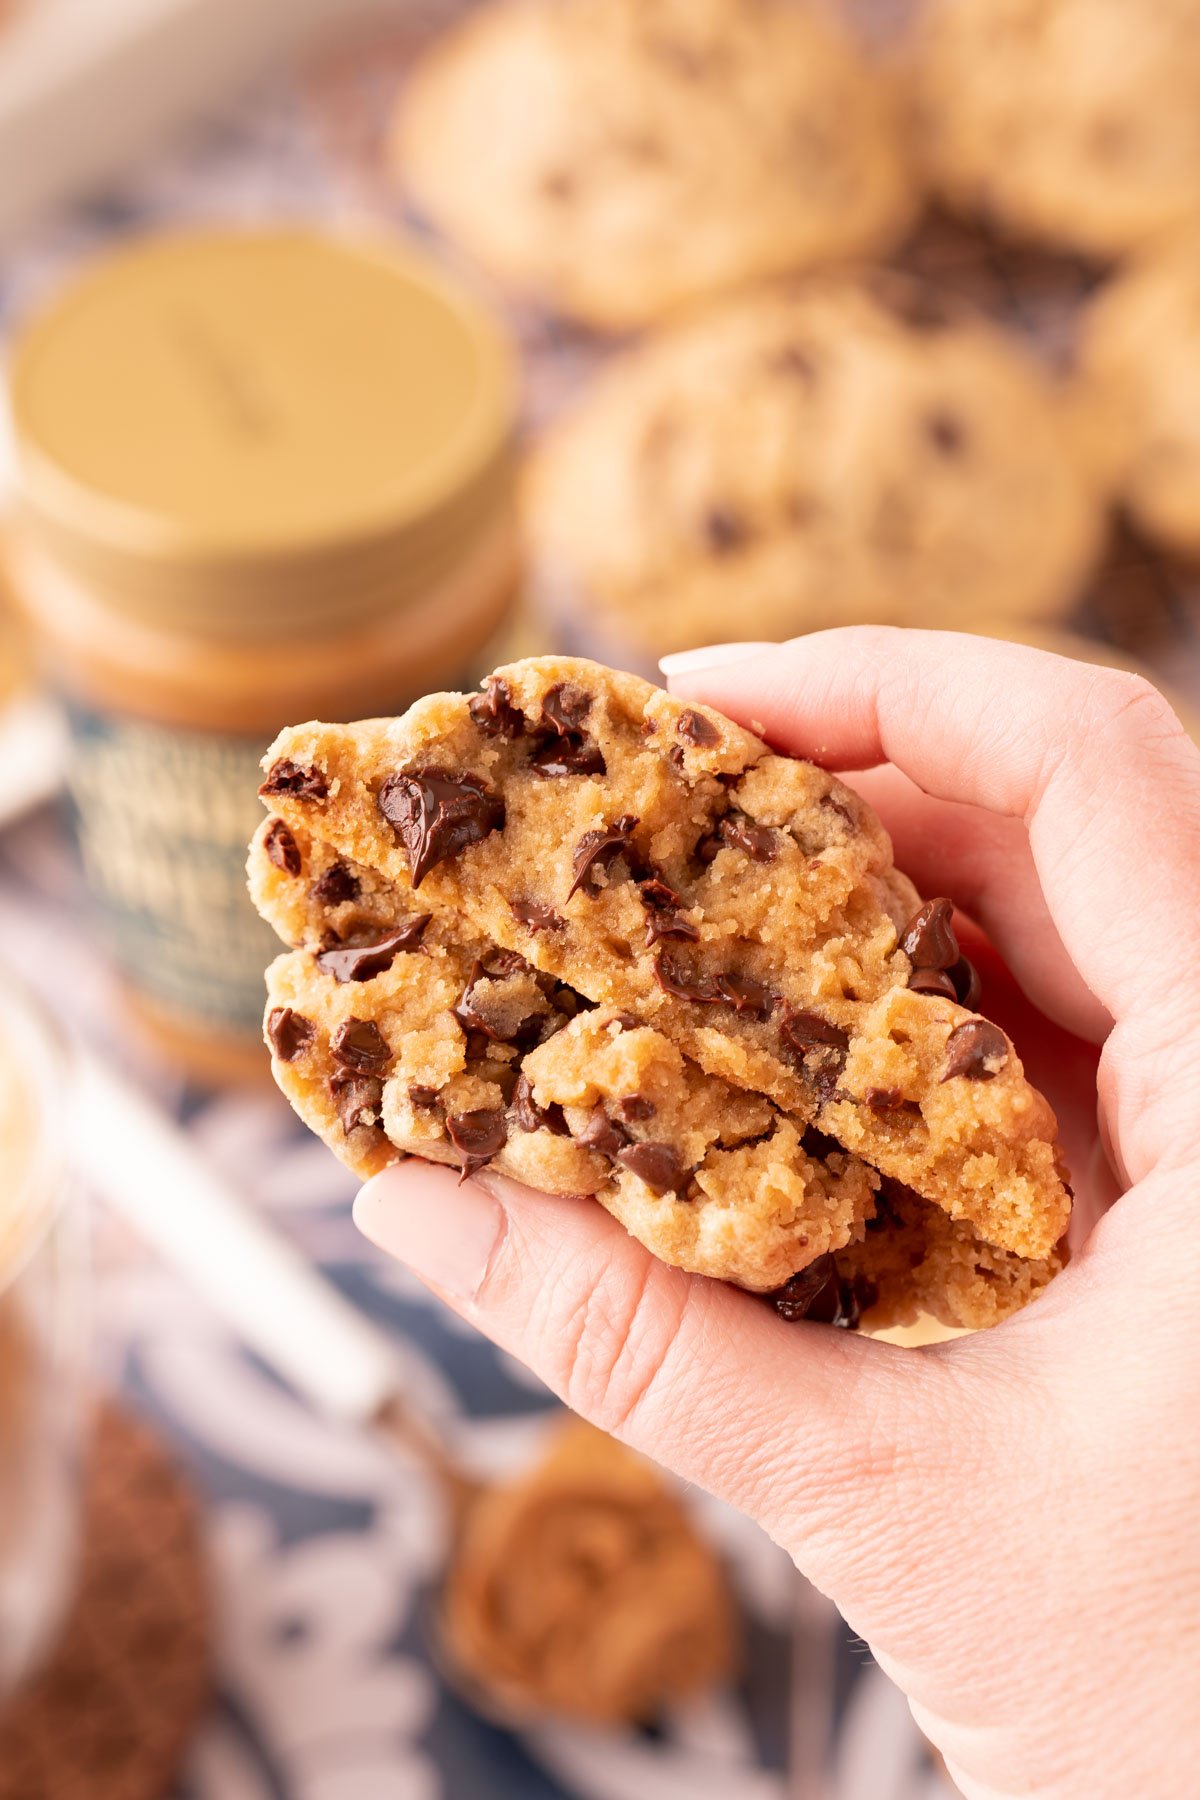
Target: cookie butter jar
(262,476)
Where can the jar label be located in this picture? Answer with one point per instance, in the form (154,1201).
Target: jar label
(163,819)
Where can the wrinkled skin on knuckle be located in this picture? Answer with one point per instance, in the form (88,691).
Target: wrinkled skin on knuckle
(607,1334)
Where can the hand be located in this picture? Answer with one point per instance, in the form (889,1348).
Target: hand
(1011,1520)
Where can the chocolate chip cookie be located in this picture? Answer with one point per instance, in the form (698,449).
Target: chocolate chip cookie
(611,944)
(612,159)
(1140,390)
(1073,122)
(835,452)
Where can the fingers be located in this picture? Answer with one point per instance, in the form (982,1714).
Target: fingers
(1092,760)
(984,863)
(803,1427)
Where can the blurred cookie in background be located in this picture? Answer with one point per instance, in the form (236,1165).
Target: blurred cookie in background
(1140,390)
(1073,122)
(613,159)
(839,451)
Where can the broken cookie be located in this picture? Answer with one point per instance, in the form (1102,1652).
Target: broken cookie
(612,944)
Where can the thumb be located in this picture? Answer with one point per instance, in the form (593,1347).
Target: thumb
(805,1428)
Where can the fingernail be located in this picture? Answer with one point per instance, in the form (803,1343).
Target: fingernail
(712,656)
(444,1233)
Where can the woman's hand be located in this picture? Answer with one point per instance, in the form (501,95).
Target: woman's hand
(1012,1520)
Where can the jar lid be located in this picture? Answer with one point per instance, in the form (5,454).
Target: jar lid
(264,431)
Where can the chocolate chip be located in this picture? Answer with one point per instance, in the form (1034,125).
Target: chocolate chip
(635,1109)
(532,1117)
(493,711)
(286,777)
(536,917)
(509,962)
(282,848)
(725,531)
(626,1021)
(658,1165)
(822,1295)
(674,979)
(663,915)
(335,886)
(436,815)
(565,708)
(356,1096)
(819,1044)
(649,727)
(420,1095)
(694,728)
(976,1050)
(928,939)
(967,986)
(567,756)
(360,1045)
(504,1015)
(798,1292)
(889,1100)
(946,432)
(746,995)
(596,852)
(741,992)
(361,962)
(477,1136)
(602,1134)
(288,1032)
(843,1302)
(932,981)
(758,842)
(565,749)
(832,804)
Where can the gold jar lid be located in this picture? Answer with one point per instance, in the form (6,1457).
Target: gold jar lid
(250,433)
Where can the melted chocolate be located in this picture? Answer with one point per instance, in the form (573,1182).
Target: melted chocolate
(361,962)
(288,1032)
(282,848)
(657,1165)
(493,712)
(436,815)
(477,1136)
(355,1096)
(976,1050)
(287,777)
(358,1044)
(596,852)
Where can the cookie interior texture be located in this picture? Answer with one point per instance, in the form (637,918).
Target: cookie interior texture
(604,123)
(613,945)
(837,450)
(1073,122)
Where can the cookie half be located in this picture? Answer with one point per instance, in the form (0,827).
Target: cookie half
(612,160)
(570,894)
(839,451)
